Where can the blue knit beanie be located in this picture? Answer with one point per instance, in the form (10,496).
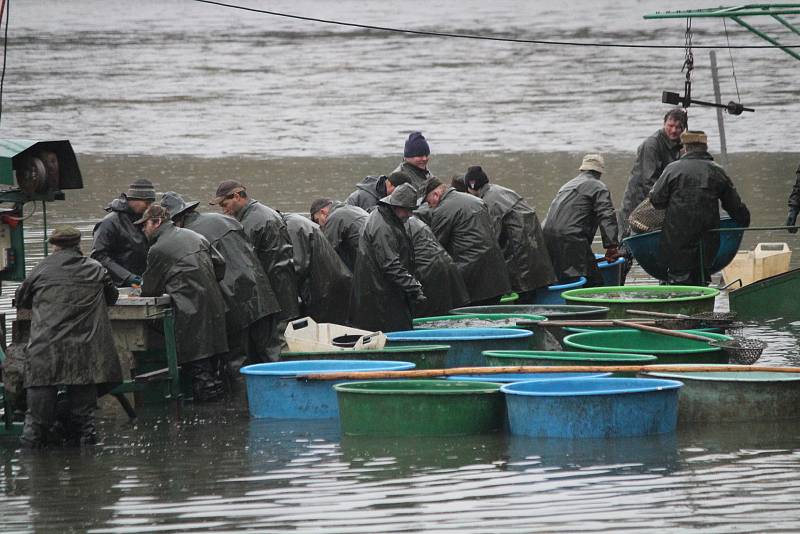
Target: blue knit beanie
(416,145)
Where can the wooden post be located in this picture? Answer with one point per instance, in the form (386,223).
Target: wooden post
(723,148)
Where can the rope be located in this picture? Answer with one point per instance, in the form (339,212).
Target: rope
(733,69)
(471,36)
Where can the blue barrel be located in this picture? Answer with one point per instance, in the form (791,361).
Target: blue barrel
(508,378)
(466,344)
(552,294)
(612,272)
(274,392)
(592,407)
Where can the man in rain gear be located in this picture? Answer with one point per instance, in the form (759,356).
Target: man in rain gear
(119,245)
(323,280)
(581,206)
(416,156)
(794,204)
(437,272)
(253,309)
(182,264)
(268,234)
(463,226)
(385,290)
(342,225)
(691,190)
(71,344)
(369,192)
(518,232)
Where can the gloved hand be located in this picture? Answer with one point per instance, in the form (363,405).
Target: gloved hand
(134,280)
(612,253)
(791,220)
(420,298)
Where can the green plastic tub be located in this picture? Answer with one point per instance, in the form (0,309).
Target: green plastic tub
(477,320)
(423,356)
(410,408)
(687,300)
(717,397)
(668,349)
(501,358)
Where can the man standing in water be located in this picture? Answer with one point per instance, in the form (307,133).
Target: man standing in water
(652,157)
(691,190)
(182,264)
(119,245)
(71,345)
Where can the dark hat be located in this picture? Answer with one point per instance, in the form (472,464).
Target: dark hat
(319,204)
(141,189)
(475,177)
(457,182)
(431,184)
(227,189)
(398,178)
(694,137)
(416,145)
(65,236)
(175,205)
(404,196)
(154,211)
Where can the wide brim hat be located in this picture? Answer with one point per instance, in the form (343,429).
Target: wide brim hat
(404,196)
(176,205)
(593,162)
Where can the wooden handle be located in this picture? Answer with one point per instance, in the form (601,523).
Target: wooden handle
(658,314)
(435,373)
(585,323)
(656,330)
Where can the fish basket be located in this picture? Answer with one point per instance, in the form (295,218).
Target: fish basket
(740,350)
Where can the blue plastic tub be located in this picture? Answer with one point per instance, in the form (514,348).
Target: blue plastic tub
(274,392)
(466,344)
(552,294)
(592,407)
(612,272)
(508,378)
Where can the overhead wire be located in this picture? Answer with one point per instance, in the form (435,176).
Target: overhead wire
(4,7)
(733,69)
(471,36)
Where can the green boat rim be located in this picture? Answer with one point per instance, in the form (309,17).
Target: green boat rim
(576,294)
(570,341)
(558,355)
(418,387)
(529,317)
(387,348)
(726,376)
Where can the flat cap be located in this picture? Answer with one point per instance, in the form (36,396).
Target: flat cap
(694,137)
(154,211)
(431,184)
(65,236)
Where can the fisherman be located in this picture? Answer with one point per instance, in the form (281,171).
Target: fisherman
(182,264)
(519,234)
(653,155)
(268,234)
(374,188)
(416,156)
(581,206)
(342,225)
(323,280)
(457,183)
(119,245)
(794,203)
(385,290)
(691,190)
(253,310)
(463,226)
(71,347)
(441,281)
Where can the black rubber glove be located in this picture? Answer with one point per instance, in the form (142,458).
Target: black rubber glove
(790,221)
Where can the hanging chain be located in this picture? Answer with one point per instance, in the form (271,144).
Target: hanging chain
(688,64)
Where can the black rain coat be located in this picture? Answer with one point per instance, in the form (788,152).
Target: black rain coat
(520,237)
(384,286)
(71,342)
(343,231)
(580,207)
(119,245)
(324,281)
(268,234)
(794,196)
(245,287)
(691,190)
(368,192)
(182,264)
(464,228)
(652,157)
(434,268)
